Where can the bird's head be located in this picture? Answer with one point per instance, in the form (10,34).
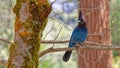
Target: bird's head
(81,21)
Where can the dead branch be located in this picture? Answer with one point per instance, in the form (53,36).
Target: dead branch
(60,42)
(50,41)
(51,49)
(66,41)
(49,31)
(53,2)
(53,42)
(3,62)
(6,41)
(57,35)
(80,47)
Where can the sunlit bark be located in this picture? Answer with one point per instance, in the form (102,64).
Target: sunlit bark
(96,13)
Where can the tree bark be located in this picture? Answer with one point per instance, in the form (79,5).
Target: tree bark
(96,13)
(30,21)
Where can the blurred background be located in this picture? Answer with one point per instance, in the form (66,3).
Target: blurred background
(61,22)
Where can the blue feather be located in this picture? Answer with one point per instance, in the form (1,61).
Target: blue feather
(79,35)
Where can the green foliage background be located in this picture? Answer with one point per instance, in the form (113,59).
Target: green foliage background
(53,60)
(115,27)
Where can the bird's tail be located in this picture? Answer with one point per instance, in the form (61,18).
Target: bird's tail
(66,56)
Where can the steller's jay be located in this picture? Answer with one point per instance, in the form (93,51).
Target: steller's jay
(78,36)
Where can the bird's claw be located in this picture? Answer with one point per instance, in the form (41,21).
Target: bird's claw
(77,46)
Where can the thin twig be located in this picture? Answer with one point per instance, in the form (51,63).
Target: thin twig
(49,31)
(53,2)
(57,35)
(6,41)
(11,4)
(59,12)
(3,62)
(53,42)
(66,41)
(58,42)
(56,14)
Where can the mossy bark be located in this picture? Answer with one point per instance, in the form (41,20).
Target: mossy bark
(30,21)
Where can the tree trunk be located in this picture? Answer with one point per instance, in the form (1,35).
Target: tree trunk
(96,13)
(30,21)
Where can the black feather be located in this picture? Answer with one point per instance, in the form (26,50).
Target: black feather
(81,18)
(67,56)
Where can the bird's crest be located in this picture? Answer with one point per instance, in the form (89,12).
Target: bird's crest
(80,18)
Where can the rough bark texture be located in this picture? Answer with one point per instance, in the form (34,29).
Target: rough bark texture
(96,13)
(30,21)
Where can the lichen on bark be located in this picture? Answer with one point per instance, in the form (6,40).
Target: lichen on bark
(30,21)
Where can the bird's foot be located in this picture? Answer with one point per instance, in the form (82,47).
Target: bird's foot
(80,44)
(77,46)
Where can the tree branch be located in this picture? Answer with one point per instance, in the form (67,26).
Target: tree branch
(6,41)
(3,62)
(51,49)
(66,41)
(53,42)
(53,2)
(80,47)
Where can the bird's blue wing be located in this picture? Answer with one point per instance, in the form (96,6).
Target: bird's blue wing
(82,37)
(78,36)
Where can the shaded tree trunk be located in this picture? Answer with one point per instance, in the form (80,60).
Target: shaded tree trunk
(96,13)
(30,21)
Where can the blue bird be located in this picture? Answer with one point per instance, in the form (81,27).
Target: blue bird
(78,36)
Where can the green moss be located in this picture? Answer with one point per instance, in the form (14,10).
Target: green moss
(36,24)
(12,46)
(11,50)
(17,7)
